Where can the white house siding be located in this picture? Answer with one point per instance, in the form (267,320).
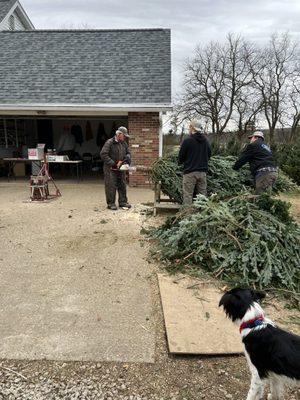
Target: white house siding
(19,26)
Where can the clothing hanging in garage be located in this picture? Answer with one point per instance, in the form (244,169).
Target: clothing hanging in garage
(101,135)
(88,132)
(76,130)
(113,129)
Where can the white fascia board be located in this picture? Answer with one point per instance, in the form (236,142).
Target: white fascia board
(23,15)
(52,109)
(5,19)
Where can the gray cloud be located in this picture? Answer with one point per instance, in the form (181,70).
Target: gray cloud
(192,22)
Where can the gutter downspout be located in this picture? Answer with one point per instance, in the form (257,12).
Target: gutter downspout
(161,139)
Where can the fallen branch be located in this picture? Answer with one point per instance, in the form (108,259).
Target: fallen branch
(14,372)
(193,286)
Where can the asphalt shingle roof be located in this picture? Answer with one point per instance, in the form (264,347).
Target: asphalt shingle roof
(85,67)
(5,6)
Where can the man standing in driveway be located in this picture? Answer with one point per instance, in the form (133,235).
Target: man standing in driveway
(114,154)
(260,158)
(194,155)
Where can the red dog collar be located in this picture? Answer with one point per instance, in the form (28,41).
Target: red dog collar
(252,323)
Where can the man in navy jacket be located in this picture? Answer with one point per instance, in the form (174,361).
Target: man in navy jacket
(194,155)
(261,162)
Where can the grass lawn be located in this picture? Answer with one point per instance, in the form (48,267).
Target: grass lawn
(294,199)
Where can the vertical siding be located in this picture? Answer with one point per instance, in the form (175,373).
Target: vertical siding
(18,23)
(5,25)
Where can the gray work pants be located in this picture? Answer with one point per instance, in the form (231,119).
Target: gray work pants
(115,181)
(265,182)
(193,183)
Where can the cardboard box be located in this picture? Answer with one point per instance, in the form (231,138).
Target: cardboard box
(19,169)
(36,154)
(61,158)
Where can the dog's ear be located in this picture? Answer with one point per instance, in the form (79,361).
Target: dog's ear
(223,300)
(233,305)
(258,295)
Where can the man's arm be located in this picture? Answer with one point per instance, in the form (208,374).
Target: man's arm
(182,152)
(208,149)
(104,154)
(128,155)
(244,157)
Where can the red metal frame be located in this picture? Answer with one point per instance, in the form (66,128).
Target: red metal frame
(39,184)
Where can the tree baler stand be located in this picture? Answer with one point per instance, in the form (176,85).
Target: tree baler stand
(39,184)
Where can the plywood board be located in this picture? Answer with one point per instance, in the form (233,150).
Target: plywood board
(194,322)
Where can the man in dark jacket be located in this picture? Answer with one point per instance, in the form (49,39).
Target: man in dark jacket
(260,158)
(114,154)
(194,155)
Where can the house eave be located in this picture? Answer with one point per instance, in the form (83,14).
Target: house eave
(88,109)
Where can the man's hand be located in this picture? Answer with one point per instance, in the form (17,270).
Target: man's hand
(119,163)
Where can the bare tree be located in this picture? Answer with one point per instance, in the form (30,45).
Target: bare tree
(76,26)
(272,67)
(293,113)
(213,80)
(248,106)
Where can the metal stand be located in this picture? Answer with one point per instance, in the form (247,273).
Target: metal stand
(39,185)
(160,203)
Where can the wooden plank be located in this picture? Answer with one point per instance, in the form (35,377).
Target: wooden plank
(167,205)
(194,322)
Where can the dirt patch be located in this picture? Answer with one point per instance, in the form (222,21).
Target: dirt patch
(86,243)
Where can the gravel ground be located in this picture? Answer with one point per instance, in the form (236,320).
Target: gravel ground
(168,378)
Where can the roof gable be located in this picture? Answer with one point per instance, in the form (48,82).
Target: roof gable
(13,7)
(86,67)
(5,7)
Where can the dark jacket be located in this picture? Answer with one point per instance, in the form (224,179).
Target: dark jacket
(114,151)
(194,153)
(258,155)
(76,131)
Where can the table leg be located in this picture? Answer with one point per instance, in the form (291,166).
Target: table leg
(38,165)
(8,172)
(11,166)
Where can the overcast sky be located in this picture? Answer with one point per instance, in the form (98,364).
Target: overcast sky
(192,21)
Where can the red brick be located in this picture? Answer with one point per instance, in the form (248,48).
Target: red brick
(144,130)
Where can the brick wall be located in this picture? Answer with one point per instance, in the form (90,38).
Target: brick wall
(144,144)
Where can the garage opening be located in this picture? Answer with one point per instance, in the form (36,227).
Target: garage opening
(79,138)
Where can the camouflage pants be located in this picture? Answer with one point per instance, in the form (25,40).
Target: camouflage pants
(193,184)
(265,182)
(115,181)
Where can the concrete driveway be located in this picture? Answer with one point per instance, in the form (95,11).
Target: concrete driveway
(74,284)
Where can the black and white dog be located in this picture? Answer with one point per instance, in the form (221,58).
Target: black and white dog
(273,354)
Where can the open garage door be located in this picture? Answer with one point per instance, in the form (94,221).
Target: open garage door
(88,135)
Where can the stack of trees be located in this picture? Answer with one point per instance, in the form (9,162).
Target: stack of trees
(243,240)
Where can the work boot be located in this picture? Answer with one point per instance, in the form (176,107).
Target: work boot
(125,206)
(112,207)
